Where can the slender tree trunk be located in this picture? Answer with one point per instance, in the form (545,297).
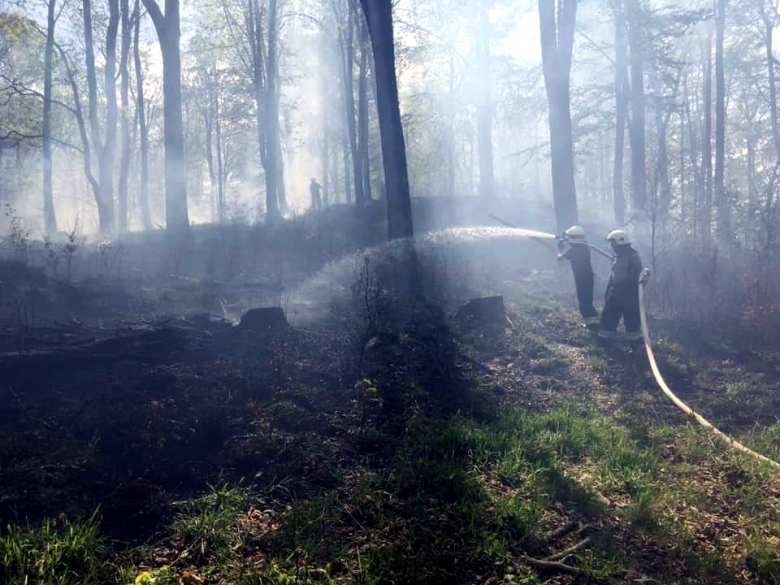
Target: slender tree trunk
(169,34)
(752,199)
(706,138)
(485,106)
(347,42)
(557,40)
(143,193)
(208,124)
(220,165)
(637,125)
(724,221)
(379,16)
(618,192)
(103,149)
(124,72)
(363,135)
(49,216)
(451,129)
(272,118)
(769,27)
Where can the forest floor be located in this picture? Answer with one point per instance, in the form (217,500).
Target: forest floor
(391,445)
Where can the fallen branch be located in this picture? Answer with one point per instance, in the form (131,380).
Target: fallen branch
(562,531)
(551,565)
(569,551)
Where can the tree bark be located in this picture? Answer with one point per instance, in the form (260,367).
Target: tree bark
(169,34)
(557,39)
(769,27)
(618,192)
(49,216)
(124,72)
(365,162)
(104,149)
(706,138)
(143,194)
(347,45)
(379,16)
(637,125)
(724,220)
(485,106)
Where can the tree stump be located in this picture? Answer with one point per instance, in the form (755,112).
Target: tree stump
(264,320)
(484,311)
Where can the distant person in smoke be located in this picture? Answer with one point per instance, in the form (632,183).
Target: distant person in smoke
(316,197)
(579,256)
(622,296)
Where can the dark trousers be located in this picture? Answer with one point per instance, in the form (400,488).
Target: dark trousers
(584,283)
(614,310)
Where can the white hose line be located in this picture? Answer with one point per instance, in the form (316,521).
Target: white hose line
(680,404)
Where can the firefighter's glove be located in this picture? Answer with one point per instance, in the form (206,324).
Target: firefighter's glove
(644,277)
(561,246)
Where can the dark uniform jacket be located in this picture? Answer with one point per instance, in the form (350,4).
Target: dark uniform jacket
(624,281)
(579,254)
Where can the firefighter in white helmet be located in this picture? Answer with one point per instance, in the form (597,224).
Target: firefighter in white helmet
(579,256)
(622,296)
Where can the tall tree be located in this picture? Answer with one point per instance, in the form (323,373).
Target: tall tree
(706,139)
(124,73)
(362,107)
(104,145)
(49,216)
(485,104)
(557,24)
(636,44)
(379,16)
(169,35)
(769,19)
(724,227)
(140,107)
(621,106)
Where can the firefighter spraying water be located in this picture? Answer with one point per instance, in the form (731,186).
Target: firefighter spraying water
(578,253)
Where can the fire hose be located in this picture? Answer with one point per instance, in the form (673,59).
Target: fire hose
(679,403)
(659,379)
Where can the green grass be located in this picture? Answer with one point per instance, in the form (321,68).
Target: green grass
(57,553)
(763,557)
(208,525)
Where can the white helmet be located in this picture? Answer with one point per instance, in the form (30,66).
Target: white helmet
(619,237)
(575,233)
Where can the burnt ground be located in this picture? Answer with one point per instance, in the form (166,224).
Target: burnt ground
(385,443)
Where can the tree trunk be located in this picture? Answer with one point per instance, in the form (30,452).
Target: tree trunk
(220,162)
(169,34)
(143,194)
(450,191)
(365,162)
(124,163)
(724,222)
(769,27)
(557,39)
(618,192)
(272,119)
(347,44)
(637,125)
(208,124)
(103,149)
(379,16)
(485,107)
(706,138)
(49,216)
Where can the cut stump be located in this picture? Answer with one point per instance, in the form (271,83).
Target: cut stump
(264,320)
(484,311)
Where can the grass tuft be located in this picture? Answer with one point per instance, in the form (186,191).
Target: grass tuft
(59,552)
